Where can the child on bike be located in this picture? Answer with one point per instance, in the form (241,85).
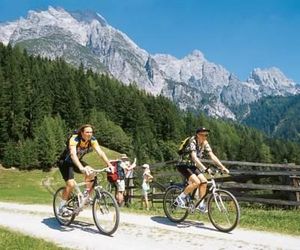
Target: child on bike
(192,168)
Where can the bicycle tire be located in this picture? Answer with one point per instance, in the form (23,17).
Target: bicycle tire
(106,213)
(172,211)
(223,210)
(63,220)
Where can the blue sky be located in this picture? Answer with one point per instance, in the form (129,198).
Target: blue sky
(238,34)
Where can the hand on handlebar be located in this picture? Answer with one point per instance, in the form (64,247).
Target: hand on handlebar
(110,168)
(88,170)
(209,171)
(224,170)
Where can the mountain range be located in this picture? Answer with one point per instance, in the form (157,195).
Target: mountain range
(192,82)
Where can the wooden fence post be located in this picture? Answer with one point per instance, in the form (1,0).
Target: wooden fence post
(296,183)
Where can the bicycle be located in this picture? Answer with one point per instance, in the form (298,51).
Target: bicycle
(223,208)
(105,209)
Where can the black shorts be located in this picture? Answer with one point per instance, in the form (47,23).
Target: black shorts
(187,170)
(67,169)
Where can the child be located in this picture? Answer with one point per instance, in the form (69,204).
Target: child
(147,177)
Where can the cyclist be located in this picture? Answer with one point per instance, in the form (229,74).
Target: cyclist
(192,168)
(79,144)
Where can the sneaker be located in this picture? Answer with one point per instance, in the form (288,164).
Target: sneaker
(180,202)
(202,209)
(64,212)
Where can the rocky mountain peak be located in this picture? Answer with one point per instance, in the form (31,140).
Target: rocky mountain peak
(196,55)
(272,81)
(191,82)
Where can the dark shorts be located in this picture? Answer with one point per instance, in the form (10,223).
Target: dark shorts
(187,170)
(67,170)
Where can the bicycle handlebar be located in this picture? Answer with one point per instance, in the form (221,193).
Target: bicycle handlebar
(97,171)
(215,172)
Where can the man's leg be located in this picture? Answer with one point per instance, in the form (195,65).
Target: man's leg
(202,192)
(193,184)
(202,185)
(89,181)
(70,184)
(65,196)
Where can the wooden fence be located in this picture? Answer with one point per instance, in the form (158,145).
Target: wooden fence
(256,183)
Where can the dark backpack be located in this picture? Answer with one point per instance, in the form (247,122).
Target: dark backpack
(182,148)
(118,174)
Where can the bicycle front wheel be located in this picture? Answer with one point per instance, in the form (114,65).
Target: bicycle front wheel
(106,212)
(172,211)
(223,210)
(61,218)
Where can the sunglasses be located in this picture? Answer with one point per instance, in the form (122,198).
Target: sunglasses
(206,135)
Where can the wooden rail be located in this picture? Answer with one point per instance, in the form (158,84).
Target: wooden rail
(244,179)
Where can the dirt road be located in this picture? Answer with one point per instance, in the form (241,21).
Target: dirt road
(136,232)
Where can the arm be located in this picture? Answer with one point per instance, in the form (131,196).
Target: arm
(133,165)
(196,160)
(148,175)
(215,159)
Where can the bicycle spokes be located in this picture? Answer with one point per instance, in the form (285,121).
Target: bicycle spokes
(171,208)
(106,212)
(223,210)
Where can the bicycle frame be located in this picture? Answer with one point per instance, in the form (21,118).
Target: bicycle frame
(211,190)
(80,197)
(222,207)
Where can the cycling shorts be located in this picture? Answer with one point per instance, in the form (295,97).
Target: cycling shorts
(67,169)
(188,169)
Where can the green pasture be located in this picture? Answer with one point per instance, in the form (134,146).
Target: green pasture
(29,186)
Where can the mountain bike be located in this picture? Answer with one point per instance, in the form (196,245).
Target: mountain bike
(105,209)
(222,207)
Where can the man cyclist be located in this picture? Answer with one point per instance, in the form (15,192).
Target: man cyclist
(192,168)
(79,144)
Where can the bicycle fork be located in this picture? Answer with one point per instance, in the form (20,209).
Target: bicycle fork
(219,202)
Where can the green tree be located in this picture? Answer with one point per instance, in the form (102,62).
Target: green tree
(11,155)
(28,154)
(47,136)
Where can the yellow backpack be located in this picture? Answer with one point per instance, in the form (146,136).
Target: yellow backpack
(183,145)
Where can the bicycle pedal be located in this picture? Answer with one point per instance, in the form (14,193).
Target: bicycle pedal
(191,208)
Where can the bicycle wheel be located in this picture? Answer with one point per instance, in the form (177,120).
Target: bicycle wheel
(223,210)
(172,211)
(71,204)
(106,212)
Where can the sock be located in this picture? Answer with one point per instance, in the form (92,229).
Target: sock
(201,203)
(86,192)
(182,195)
(62,203)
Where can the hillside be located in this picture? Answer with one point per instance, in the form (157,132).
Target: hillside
(41,101)
(276,116)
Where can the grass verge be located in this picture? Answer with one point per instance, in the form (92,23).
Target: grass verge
(11,240)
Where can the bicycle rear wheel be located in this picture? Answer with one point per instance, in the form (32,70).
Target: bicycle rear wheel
(106,212)
(61,218)
(172,211)
(223,210)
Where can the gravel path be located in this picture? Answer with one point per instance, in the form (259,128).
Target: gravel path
(136,232)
